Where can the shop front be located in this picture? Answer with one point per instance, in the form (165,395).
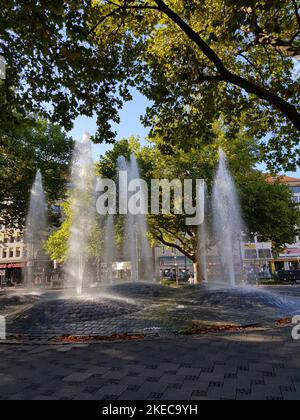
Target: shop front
(11,274)
(175,266)
(288,260)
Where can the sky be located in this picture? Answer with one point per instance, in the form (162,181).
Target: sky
(130,125)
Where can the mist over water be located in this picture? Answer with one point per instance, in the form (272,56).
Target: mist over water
(203,241)
(141,227)
(82,202)
(109,247)
(227,220)
(36,228)
(136,246)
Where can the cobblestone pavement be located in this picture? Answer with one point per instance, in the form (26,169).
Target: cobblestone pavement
(262,365)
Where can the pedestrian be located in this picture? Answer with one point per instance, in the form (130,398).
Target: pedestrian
(191,278)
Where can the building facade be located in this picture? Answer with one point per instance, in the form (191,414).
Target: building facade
(256,255)
(259,254)
(12,255)
(170,262)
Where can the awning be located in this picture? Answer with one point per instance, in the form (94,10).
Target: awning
(291,252)
(13,265)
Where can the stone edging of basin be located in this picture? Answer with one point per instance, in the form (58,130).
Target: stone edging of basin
(118,338)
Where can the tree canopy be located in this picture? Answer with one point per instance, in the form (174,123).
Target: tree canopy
(263,203)
(195,61)
(26,145)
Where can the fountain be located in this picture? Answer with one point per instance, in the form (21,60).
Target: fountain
(109,247)
(35,234)
(142,227)
(203,241)
(131,305)
(227,220)
(83,213)
(136,244)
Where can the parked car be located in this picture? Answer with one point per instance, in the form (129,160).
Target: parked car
(183,276)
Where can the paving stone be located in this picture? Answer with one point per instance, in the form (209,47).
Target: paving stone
(265,392)
(174,386)
(111,390)
(155,396)
(189,372)
(172,379)
(77,377)
(180,395)
(131,380)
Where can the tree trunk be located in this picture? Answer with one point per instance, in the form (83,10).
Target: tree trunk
(197,273)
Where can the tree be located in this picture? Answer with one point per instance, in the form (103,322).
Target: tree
(263,204)
(191,59)
(53,66)
(57,243)
(28,145)
(269,210)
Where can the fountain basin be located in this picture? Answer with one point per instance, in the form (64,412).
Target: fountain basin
(144,308)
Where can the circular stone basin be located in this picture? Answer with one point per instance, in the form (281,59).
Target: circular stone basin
(17,300)
(68,311)
(142,290)
(239,298)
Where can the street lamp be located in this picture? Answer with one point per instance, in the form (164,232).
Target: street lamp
(176,267)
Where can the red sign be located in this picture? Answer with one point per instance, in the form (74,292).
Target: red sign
(16,265)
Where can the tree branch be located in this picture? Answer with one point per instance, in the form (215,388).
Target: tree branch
(102,20)
(118,8)
(216,78)
(252,65)
(284,46)
(135,7)
(224,74)
(172,234)
(296,11)
(294,37)
(279,103)
(159,235)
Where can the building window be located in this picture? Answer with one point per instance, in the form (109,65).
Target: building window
(250,254)
(264,253)
(4,253)
(296,198)
(259,239)
(18,252)
(250,239)
(11,253)
(295,190)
